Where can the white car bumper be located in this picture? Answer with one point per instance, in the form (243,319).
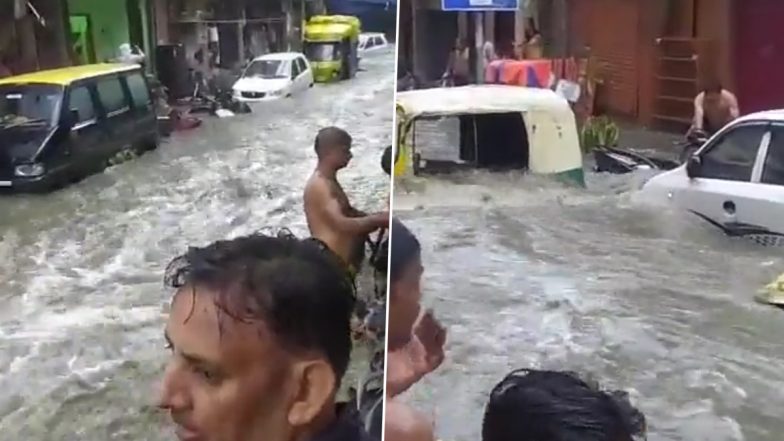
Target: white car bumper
(256,97)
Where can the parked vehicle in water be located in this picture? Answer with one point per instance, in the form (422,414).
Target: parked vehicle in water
(620,161)
(500,127)
(692,142)
(274,76)
(372,42)
(58,126)
(331,45)
(735,181)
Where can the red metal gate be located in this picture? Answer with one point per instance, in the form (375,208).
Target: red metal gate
(759,54)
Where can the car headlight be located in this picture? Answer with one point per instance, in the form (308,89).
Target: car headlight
(278,92)
(29,170)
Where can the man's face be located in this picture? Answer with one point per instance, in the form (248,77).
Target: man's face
(225,380)
(341,155)
(406,296)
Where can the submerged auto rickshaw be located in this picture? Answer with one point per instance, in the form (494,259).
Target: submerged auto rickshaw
(332,46)
(500,127)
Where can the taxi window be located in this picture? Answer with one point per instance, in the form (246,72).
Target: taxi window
(139,91)
(112,95)
(82,102)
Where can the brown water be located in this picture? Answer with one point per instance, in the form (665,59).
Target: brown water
(526,272)
(81,309)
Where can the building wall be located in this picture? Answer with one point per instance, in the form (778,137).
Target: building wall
(714,22)
(613,34)
(109,22)
(758,54)
(162,34)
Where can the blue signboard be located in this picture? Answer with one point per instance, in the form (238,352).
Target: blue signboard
(480,5)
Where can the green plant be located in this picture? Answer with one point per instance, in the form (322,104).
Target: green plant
(599,132)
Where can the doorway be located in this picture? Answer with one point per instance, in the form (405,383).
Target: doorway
(82,43)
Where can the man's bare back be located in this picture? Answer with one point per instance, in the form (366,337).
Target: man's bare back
(323,195)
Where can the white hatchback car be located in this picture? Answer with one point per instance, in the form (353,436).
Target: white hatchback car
(371,42)
(735,181)
(274,76)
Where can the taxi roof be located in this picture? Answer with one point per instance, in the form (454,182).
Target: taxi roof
(67,75)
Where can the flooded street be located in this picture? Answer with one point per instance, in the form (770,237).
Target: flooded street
(525,272)
(82,305)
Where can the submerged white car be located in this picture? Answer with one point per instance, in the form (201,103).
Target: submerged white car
(371,42)
(274,76)
(735,181)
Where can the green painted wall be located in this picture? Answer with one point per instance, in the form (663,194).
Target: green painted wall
(109,21)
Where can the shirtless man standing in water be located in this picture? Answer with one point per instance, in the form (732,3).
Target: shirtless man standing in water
(331,218)
(714,108)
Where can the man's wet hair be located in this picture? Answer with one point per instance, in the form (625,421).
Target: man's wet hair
(386,160)
(712,85)
(290,285)
(330,137)
(404,249)
(531,405)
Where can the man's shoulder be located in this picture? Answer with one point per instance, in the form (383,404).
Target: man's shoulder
(315,183)
(729,95)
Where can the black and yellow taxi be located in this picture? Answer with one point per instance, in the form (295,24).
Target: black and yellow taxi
(57,126)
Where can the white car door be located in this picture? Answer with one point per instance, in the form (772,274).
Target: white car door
(307,72)
(295,77)
(303,75)
(767,213)
(722,192)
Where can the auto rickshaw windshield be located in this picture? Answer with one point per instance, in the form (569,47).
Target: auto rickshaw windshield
(322,51)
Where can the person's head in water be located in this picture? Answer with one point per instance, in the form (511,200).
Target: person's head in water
(333,147)
(530,405)
(259,334)
(386,161)
(405,276)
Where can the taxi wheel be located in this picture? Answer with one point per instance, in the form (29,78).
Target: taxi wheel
(146,146)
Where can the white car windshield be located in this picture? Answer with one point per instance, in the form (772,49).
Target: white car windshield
(268,69)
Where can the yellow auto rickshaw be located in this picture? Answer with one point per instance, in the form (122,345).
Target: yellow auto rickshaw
(496,127)
(331,46)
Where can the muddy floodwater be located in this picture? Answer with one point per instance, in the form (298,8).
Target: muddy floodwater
(82,304)
(526,272)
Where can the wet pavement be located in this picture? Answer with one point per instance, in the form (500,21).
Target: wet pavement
(82,306)
(526,272)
